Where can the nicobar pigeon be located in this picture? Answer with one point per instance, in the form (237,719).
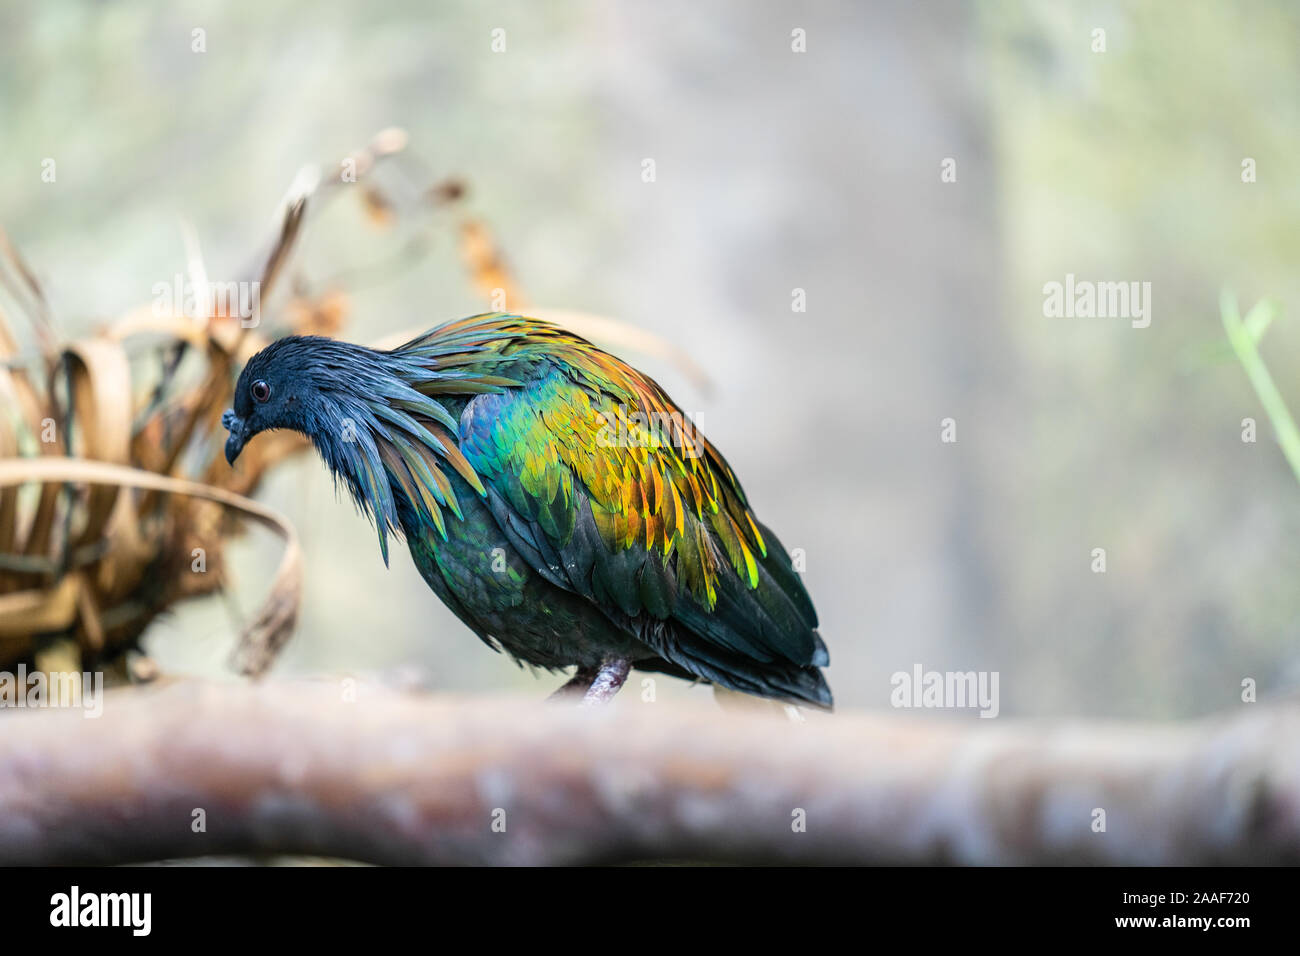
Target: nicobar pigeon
(554,498)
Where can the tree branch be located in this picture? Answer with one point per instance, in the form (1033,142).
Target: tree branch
(401,778)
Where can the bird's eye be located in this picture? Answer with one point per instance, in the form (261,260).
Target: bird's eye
(260,391)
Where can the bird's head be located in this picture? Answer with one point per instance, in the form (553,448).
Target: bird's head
(280,387)
(363,409)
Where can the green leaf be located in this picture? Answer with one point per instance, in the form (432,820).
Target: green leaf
(1244,337)
(1260,318)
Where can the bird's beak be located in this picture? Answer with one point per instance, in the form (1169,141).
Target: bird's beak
(235,443)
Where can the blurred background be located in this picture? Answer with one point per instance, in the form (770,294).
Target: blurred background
(775,170)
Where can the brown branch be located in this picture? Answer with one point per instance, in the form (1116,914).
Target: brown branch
(400,778)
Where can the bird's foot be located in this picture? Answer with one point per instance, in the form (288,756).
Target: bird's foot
(578,684)
(608,680)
